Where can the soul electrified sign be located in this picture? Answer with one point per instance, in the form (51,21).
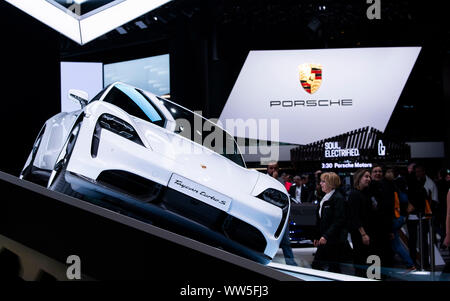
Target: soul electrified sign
(333,150)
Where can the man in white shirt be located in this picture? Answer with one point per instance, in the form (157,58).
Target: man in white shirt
(299,192)
(296,190)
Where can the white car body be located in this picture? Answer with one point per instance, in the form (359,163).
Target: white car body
(165,158)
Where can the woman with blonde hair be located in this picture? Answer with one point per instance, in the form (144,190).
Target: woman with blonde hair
(331,225)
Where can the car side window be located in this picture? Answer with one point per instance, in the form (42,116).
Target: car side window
(134,103)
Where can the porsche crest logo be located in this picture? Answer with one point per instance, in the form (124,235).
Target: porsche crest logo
(310,77)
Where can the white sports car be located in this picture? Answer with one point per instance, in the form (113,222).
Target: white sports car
(138,151)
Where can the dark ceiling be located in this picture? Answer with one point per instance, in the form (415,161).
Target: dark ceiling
(309,23)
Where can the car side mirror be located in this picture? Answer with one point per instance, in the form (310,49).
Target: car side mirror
(79,97)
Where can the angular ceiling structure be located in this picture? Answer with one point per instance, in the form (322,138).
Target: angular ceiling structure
(85,20)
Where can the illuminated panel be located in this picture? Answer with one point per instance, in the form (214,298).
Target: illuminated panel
(317,94)
(51,16)
(115,16)
(84,21)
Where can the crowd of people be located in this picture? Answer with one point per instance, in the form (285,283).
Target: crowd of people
(367,219)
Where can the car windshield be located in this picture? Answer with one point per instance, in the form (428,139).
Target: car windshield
(200,130)
(135,103)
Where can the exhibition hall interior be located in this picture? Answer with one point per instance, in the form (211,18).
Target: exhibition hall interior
(301,140)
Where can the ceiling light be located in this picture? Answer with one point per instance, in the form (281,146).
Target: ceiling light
(141,25)
(85,28)
(121,30)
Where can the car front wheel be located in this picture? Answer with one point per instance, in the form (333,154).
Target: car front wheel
(57,181)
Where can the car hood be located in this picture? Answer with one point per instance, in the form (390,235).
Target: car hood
(198,163)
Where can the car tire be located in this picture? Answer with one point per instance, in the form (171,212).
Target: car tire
(58,181)
(60,185)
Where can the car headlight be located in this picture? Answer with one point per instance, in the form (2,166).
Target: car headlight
(119,127)
(275,197)
(279,199)
(115,125)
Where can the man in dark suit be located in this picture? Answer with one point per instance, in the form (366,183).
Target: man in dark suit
(299,191)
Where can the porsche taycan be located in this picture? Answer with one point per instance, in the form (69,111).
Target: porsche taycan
(146,154)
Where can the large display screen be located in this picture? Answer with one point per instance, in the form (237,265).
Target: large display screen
(316,94)
(151,74)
